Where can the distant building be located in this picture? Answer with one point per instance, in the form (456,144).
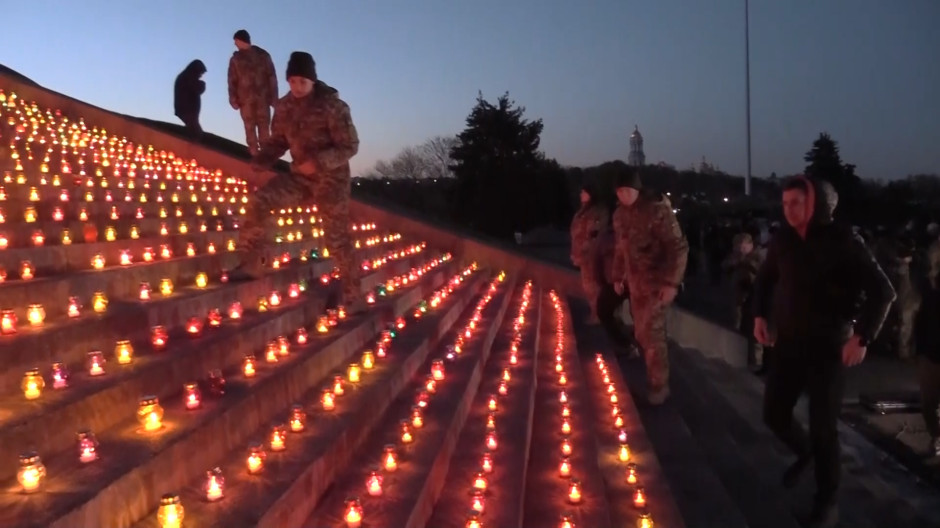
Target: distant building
(637,158)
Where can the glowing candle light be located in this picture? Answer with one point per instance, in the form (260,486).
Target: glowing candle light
(632,478)
(31,472)
(506,375)
(567,521)
(389,458)
(191,396)
(27,271)
(8,322)
(437,369)
(338,388)
(639,498)
(278,439)
(562,379)
(274,298)
(645,521)
(87,447)
(158,337)
(622,437)
(430,385)
(490,422)
(566,447)
(490,441)
(477,502)
(618,421)
(32,384)
(165,251)
(323,324)
(235,310)
(565,426)
(417,420)
(565,411)
(215,485)
(563,397)
(166,287)
(352,513)
(35,314)
(214,318)
(170,513)
(574,491)
(353,372)
(479,482)
(150,413)
(624,452)
(135,232)
(201,280)
(256,456)
(368,360)
(124,352)
(564,469)
(60,376)
(38,238)
(248,366)
(473,521)
(327,400)
(194,326)
(301,336)
(374,484)
(491,404)
(95,363)
(298,418)
(503,388)
(293,291)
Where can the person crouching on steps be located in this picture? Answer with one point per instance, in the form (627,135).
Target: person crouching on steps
(590,223)
(316,126)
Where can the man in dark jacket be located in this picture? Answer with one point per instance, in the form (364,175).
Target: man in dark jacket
(187,96)
(826,298)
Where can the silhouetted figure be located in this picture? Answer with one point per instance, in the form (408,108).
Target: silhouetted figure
(187,96)
(927,344)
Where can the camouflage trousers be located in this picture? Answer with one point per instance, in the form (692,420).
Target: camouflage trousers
(332,200)
(649,327)
(257,122)
(592,282)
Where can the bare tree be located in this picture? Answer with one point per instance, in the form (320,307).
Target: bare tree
(431,159)
(436,152)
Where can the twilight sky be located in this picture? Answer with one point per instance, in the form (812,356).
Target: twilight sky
(867,71)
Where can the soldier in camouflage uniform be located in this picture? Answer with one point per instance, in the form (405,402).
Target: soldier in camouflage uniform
(252,89)
(315,125)
(650,261)
(588,225)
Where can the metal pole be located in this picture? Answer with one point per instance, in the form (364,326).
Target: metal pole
(747,75)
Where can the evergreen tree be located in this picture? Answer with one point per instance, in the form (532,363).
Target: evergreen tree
(824,162)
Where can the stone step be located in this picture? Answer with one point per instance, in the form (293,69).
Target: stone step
(98,402)
(135,468)
(19,233)
(743,472)
(875,490)
(602,371)
(508,463)
(68,340)
(409,493)
(698,493)
(547,493)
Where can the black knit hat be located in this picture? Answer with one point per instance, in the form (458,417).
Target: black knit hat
(243,36)
(301,64)
(628,179)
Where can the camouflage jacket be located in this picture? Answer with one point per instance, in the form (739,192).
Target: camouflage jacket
(587,225)
(315,128)
(650,249)
(252,81)
(744,273)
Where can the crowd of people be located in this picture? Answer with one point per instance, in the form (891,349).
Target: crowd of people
(311,122)
(808,290)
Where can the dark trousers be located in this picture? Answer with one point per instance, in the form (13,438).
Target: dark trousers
(929,373)
(192,125)
(608,302)
(816,368)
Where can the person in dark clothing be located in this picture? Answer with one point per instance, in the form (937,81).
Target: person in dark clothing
(927,345)
(187,96)
(826,298)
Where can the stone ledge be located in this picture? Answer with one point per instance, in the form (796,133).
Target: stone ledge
(506,484)
(409,493)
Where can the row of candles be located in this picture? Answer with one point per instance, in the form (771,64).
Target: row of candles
(353,510)
(644,518)
(171,512)
(32,127)
(150,413)
(479,483)
(33,383)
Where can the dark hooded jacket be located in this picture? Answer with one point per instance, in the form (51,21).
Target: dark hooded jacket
(188,90)
(821,286)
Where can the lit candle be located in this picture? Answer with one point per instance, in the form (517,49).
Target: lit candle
(191,396)
(293,291)
(297,418)
(166,286)
(567,521)
(477,502)
(473,521)
(644,521)
(274,298)
(353,373)
(235,310)
(144,291)
(631,474)
(327,400)
(565,411)
(566,447)
(506,375)
(406,436)
(194,326)
(503,388)
(150,413)
(574,491)
(99,302)
(624,453)
(278,438)
(301,336)
(374,484)
(97,261)
(95,363)
(338,385)
(8,322)
(170,513)
(215,485)
(564,469)
(437,369)
(214,318)
(60,376)
(565,426)
(430,385)
(27,271)
(417,421)
(125,257)
(32,384)
(158,337)
(490,422)
(368,360)
(389,459)
(639,498)
(248,366)
(353,513)
(491,440)
(256,457)
(486,463)
(87,447)
(323,324)
(31,472)
(201,280)
(479,481)
(124,352)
